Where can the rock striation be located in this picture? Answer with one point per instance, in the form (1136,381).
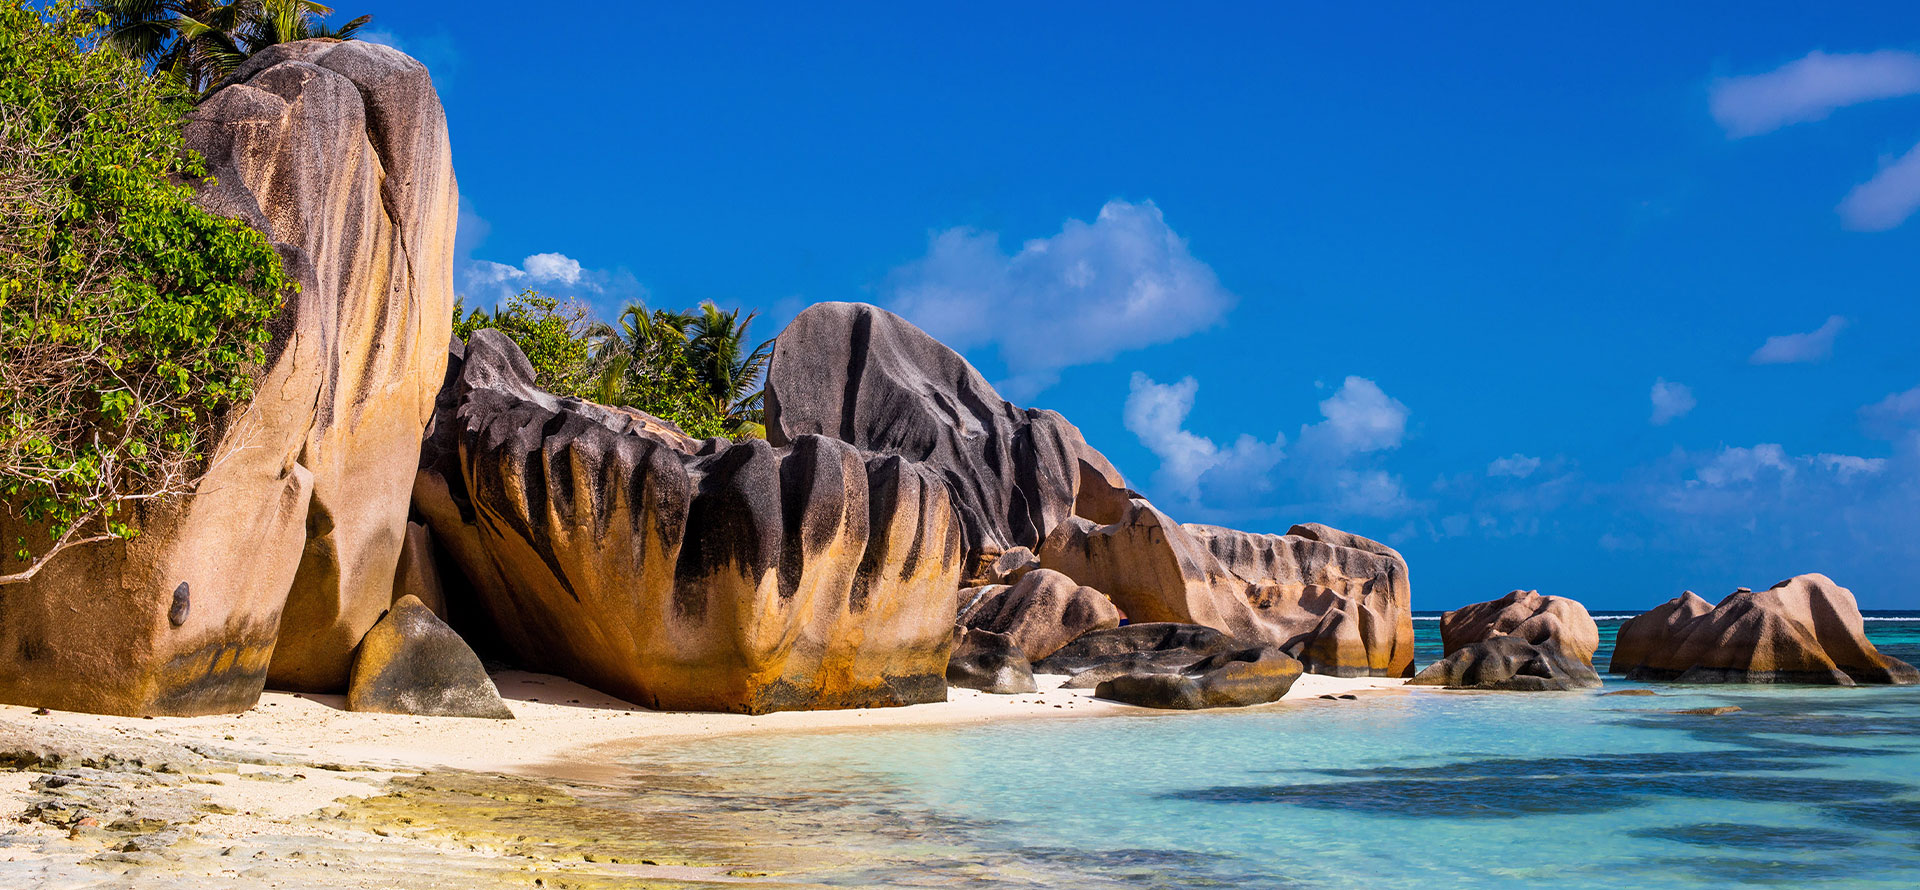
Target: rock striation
(699,576)
(1026,478)
(1226,680)
(411,662)
(286,554)
(1522,641)
(1044,611)
(1806,629)
(868,377)
(1339,603)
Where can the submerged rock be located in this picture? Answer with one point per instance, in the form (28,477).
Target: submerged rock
(990,662)
(285,555)
(721,576)
(411,662)
(1805,629)
(1043,612)
(1508,663)
(1225,680)
(1522,641)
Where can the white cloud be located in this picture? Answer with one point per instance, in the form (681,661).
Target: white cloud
(1810,88)
(1734,465)
(1123,281)
(1670,400)
(1369,493)
(1812,346)
(1847,466)
(1157,413)
(1893,416)
(552,267)
(1886,200)
(1360,418)
(1519,466)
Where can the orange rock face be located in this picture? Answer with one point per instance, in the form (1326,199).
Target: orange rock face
(744,578)
(286,554)
(1552,622)
(1806,629)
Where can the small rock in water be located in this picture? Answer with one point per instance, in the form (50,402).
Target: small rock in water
(1350,697)
(1629,692)
(1331,697)
(1707,712)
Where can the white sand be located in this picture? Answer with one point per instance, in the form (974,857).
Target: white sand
(560,727)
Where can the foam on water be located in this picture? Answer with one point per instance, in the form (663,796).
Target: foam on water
(1802,787)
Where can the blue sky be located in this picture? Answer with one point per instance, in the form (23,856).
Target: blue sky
(1609,304)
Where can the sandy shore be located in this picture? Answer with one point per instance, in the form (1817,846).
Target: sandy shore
(299,792)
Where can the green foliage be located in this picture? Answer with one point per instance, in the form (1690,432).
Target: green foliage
(201,41)
(129,317)
(552,334)
(685,367)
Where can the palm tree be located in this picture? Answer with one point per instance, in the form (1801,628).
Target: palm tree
(732,380)
(202,41)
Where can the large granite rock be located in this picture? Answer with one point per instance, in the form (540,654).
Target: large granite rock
(286,554)
(411,662)
(868,377)
(1338,602)
(1227,680)
(1520,642)
(990,662)
(1042,612)
(1805,629)
(676,574)
(1552,622)
(1155,647)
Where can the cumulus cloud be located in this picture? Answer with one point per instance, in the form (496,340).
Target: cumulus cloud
(1156,413)
(1894,416)
(1812,346)
(1518,466)
(1670,401)
(486,281)
(1094,290)
(1810,88)
(1327,474)
(1360,418)
(1886,200)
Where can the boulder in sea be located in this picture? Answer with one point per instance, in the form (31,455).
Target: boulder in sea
(1508,663)
(1155,647)
(285,555)
(608,548)
(990,662)
(411,662)
(1232,679)
(1806,629)
(1043,612)
(1522,642)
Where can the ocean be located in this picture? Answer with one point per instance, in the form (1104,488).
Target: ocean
(1803,787)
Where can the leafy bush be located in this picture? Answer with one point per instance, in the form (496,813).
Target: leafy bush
(129,317)
(553,335)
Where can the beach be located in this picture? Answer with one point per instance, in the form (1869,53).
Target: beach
(298,786)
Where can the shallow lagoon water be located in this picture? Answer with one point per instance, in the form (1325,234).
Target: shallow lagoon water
(1802,787)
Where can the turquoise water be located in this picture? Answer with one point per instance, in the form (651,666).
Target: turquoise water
(1803,787)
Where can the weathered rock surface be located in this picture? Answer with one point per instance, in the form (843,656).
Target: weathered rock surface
(1508,663)
(1338,602)
(1042,613)
(1156,647)
(411,662)
(418,574)
(1552,622)
(1522,642)
(339,153)
(1226,680)
(1011,566)
(1805,629)
(990,662)
(744,577)
(865,376)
